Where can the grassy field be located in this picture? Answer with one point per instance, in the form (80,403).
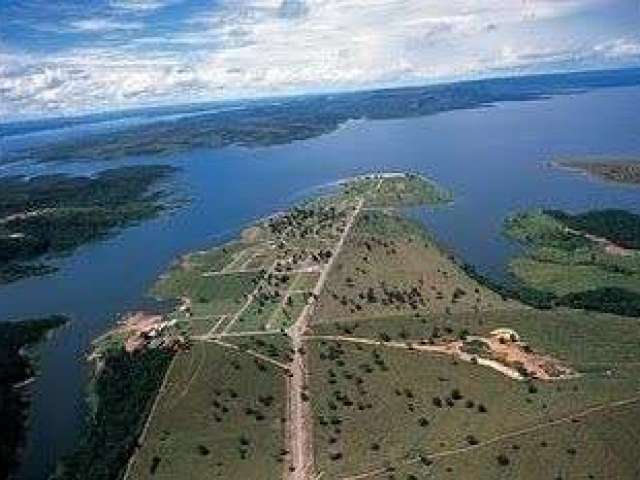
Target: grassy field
(602,445)
(219,416)
(390,266)
(587,340)
(561,279)
(276,346)
(216,259)
(375,405)
(214,295)
(388,191)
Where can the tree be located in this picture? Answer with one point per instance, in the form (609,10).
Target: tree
(455,394)
(472,440)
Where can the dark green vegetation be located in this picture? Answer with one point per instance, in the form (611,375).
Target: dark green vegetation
(54,214)
(587,261)
(123,392)
(14,369)
(606,299)
(617,226)
(272,123)
(620,170)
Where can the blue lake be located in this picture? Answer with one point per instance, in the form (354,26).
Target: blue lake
(494,159)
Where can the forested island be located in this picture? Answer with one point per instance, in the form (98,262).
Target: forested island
(49,215)
(16,369)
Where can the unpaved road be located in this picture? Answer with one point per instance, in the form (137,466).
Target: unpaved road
(437,349)
(299,434)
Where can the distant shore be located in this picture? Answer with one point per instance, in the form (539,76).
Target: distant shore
(624,170)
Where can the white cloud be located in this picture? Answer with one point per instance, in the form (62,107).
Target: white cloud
(141,5)
(619,48)
(264,47)
(103,25)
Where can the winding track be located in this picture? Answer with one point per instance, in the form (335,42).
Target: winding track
(505,436)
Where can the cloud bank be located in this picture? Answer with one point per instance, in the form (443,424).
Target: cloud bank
(138,52)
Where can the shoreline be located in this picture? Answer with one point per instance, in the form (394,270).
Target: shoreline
(602,169)
(19,341)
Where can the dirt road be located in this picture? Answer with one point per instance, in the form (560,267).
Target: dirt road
(299,433)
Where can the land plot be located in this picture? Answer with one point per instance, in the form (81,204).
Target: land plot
(376,406)
(214,295)
(389,265)
(220,416)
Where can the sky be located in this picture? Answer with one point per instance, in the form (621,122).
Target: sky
(68,57)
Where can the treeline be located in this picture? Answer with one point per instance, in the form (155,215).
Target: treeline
(55,214)
(125,389)
(520,292)
(618,226)
(614,300)
(14,369)
(618,301)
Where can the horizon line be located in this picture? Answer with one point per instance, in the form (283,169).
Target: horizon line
(79,116)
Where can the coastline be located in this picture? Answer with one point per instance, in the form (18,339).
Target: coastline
(603,169)
(19,342)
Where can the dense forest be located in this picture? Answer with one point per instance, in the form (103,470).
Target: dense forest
(53,214)
(124,391)
(618,226)
(14,369)
(609,300)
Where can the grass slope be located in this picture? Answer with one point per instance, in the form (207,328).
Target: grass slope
(388,266)
(375,406)
(220,416)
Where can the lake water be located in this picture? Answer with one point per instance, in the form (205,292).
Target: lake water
(493,159)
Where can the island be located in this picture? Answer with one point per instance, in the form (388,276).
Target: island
(338,340)
(51,215)
(618,170)
(17,370)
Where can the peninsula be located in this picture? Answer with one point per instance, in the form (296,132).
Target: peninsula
(337,340)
